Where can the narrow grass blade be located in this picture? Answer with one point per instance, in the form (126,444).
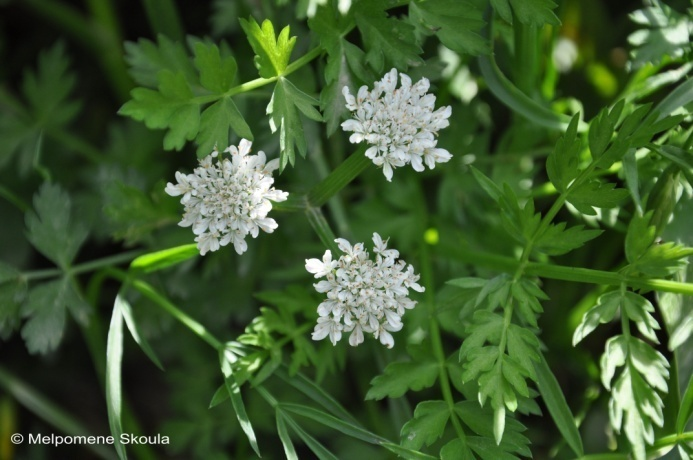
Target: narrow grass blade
(126,311)
(165,258)
(234,391)
(686,408)
(285,438)
(333,422)
(114,358)
(313,444)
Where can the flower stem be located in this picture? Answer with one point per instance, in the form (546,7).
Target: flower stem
(343,174)
(84,267)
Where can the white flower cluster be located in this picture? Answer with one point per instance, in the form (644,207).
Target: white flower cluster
(399,123)
(365,295)
(228,199)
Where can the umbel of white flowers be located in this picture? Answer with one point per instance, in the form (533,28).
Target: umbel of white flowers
(362,295)
(229,198)
(399,123)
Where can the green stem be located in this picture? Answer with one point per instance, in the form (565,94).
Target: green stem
(322,228)
(342,175)
(526,57)
(84,267)
(559,272)
(260,82)
(10,196)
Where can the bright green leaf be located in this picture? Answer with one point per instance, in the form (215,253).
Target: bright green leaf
(428,424)
(216,74)
(272,53)
(285,119)
(667,33)
(159,260)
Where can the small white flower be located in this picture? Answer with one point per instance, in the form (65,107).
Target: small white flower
(227,199)
(399,123)
(363,295)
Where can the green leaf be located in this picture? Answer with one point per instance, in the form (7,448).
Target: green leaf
(146,59)
(562,162)
(169,108)
(664,259)
(389,40)
(406,453)
(667,33)
(45,308)
(427,426)
(595,194)
(126,311)
(603,312)
(456,450)
(284,437)
(234,391)
(602,128)
(533,12)
(272,53)
(159,260)
(313,444)
(555,402)
(400,377)
(487,184)
(114,395)
(480,421)
(686,409)
(50,226)
(331,421)
(284,118)
(556,240)
(12,293)
(639,237)
(523,349)
(216,74)
(455,23)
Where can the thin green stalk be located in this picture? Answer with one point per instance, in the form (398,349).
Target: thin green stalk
(10,196)
(84,267)
(342,175)
(526,57)
(560,272)
(322,228)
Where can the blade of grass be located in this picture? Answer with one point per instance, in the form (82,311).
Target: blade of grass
(333,422)
(114,357)
(284,436)
(237,400)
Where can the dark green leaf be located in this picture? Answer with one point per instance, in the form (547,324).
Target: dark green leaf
(686,409)
(214,126)
(555,401)
(602,129)
(406,453)
(12,293)
(234,391)
(51,228)
(456,450)
(126,312)
(428,424)
(389,40)
(331,421)
(272,53)
(313,444)
(455,23)
(639,237)
(285,119)
(487,184)
(147,59)
(45,308)
(480,421)
(398,378)
(556,240)
(534,12)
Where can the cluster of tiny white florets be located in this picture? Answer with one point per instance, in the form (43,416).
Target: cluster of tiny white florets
(362,295)
(227,199)
(399,123)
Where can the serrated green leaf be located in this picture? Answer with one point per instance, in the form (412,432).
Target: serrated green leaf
(523,349)
(663,259)
(126,311)
(389,40)
(400,377)
(534,12)
(639,237)
(272,52)
(214,126)
(603,312)
(667,34)
(595,194)
(285,119)
(486,327)
(51,228)
(456,23)
(216,74)
(146,59)
(302,101)
(171,107)
(556,240)
(555,402)
(45,308)
(480,421)
(562,162)
(427,425)
(159,260)
(602,128)
(456,450)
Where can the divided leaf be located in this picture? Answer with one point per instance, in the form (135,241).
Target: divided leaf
(556,240)
(45,310)
(456,23)
(272,53)
(562,162)
(51,228)
(282,109)
(400,377)
(427,425)
(595,194)
(147,58)
(389,39)
(666,33)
